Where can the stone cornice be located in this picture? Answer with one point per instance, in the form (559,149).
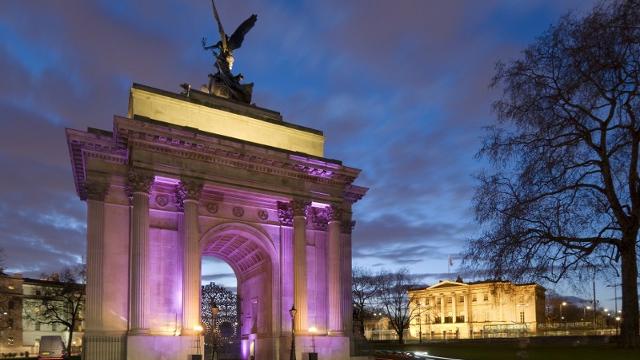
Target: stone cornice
(91,144)
(231,152)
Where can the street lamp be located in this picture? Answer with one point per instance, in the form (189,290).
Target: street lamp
(293,312)
(215,310)
(563,304)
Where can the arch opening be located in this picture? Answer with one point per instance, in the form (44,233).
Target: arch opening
(249,253)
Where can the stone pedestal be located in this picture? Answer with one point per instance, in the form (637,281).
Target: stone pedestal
(164,347)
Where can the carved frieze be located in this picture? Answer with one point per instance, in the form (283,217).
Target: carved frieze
(162,200)
(212,207)
(285,213)
(238,211)
(263,214)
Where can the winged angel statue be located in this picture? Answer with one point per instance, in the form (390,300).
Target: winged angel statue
(223,83)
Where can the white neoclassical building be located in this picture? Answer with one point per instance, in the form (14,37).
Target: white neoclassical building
(451,309)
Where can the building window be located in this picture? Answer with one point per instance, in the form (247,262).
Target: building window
(461,299)
(426,302)
(460,318)
(38,324)
(474,298)
(486,297)
(448,319)
(449,300)
(10,340)
(38,293)
(10,323)
(54,327)
(522,317)
(11,305)
(438,301)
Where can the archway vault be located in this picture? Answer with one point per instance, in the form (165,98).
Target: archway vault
(244,247)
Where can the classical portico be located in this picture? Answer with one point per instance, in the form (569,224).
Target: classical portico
(187,175)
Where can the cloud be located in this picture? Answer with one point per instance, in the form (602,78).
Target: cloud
(399,88)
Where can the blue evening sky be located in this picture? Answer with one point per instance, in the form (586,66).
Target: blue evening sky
(400,89)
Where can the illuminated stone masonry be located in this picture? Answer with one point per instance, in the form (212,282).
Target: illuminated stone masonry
(185,176)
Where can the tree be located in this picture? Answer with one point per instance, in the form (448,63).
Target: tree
(565,191)
(61,302)
(365,289)
(395,301)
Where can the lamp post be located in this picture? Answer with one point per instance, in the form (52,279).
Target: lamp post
(615,300)
(215,310)
(198,330)
(293,312)
(563,304)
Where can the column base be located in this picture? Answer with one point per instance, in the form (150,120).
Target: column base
(104,347)
(163,347)
(327,347)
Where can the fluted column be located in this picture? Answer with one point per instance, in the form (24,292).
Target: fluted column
(442,313)
(188,195)
(454,307)
(96,192)
(466,307)
(334,283)
(138,187)
(300,264)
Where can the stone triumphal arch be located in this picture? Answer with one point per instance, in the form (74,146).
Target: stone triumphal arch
(187,175)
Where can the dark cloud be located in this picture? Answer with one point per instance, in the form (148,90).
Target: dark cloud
(399,88)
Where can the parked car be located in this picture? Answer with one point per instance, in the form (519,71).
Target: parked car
(52,348)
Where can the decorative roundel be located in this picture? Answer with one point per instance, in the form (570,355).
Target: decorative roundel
(263,214)
(238,211)
(212,208)
(162,200)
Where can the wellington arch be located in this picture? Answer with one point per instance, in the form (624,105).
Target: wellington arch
(186,175)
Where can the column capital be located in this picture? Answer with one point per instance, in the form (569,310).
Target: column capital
(285,213)
(334,213)
(96,189)
(138,181)
(188,189)
(300,206)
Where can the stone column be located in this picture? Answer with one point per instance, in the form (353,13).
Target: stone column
(188,195)
(454,307)
(138,187)
(467,306)
(96,192)
(334,284)
(300,264)
(442,313)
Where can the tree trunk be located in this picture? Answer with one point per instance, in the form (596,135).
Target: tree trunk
(630,332)
(400,337)
(70,339)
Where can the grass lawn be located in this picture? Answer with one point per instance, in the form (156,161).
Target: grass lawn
(530,352)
